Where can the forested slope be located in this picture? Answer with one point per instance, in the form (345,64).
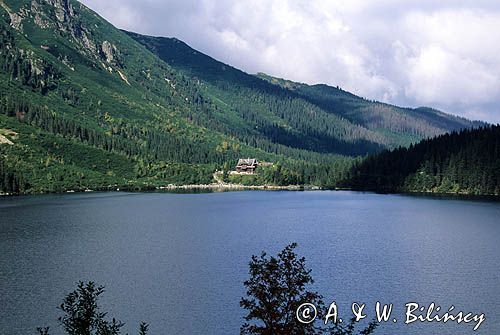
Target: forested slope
(466,162)
(84,105)
(317,118)
(67,74)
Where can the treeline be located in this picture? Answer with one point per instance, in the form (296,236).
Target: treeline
(293,122)
(466,162)
(266,117)
(149,156)
(70,110)
(418,123)
(126,139)
(317,118)
(254,110)
(143,122)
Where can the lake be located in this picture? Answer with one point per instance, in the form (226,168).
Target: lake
(178,261)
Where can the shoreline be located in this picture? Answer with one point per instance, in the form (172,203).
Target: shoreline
(173,187)
(224,186)
(240,187)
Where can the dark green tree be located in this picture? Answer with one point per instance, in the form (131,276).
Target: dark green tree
(143,328)
(83,316)
(275,290)
(43,330)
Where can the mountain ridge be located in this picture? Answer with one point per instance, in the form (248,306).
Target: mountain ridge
(180,55)
(74,86)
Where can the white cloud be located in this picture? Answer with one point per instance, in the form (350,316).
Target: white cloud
(412,52)
(436,75)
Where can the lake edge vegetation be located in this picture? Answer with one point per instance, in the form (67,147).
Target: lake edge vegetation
(84,106)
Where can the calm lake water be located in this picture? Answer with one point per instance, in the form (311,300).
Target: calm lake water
(178,261)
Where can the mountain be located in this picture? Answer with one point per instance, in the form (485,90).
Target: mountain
(85,105)
(465,162)
(92,108)
(319,115)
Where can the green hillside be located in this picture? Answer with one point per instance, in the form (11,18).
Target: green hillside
(85,105)
(401,126)
(465,162)
(318,118)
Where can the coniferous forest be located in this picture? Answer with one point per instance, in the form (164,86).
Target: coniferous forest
(465,162)
(84,105)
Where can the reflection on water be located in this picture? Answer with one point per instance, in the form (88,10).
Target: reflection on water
(178,261)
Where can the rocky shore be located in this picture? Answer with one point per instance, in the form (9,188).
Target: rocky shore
(225,186)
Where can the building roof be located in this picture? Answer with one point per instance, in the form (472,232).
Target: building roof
(247,161)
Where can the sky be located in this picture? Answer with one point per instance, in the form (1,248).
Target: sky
(443,54)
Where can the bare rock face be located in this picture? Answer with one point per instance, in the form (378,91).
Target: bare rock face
(40,18)
(108,51)
(63,9)
(16,19)
(87,43)
(64,19)
(62,12)
(60,15)
(111,55)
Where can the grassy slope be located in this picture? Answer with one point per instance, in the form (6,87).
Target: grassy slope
(177,118)
(384,124)
(105,103)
